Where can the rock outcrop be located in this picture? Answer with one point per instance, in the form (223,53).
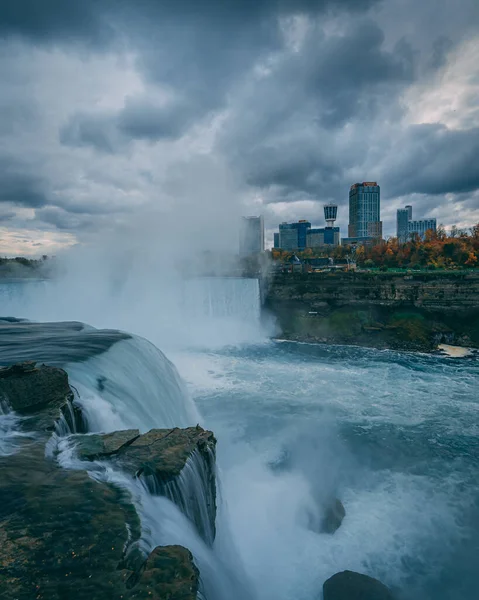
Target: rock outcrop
(160,452)
(41,393)
(65,535)
(176,463)
(168,573)
(409,312)
(28,388)
(349,585)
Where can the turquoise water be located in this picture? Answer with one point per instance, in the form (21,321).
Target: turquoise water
(393,435)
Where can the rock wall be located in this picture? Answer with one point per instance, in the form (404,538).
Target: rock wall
(415,311)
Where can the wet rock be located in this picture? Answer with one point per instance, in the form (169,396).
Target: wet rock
(65,535)
(42,393)
(169,572)
(94,447)
(333,517)
(62,534)
(27,388)
(160,452)
(349,585)
(176,463)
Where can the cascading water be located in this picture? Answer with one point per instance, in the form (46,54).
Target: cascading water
(394,436)
(193,491)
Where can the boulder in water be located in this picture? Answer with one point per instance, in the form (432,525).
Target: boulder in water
(333,517)
(349,585)
(169,572)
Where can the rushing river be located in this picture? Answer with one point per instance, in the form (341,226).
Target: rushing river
(393,435)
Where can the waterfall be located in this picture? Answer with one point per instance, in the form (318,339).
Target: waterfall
(193,491)
(131,385)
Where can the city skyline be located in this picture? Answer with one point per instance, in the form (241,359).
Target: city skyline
(117,115)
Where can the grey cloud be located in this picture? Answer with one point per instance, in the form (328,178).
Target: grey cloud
(141,119)
(352,73)
(21,185)
(432,159)
(88,130)
(99,21)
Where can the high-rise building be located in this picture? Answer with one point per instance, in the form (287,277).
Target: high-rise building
(276,240)
(403,217)
(324,236)
(288,236)
(292,236)
(406,227)
(365,211)
(421,226)
(251,236)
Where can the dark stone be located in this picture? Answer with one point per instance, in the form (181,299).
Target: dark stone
(65,535)
(160,452)
(349,585)
(333,517)
(94,447)
(158,458)
(169,572)
(27,388)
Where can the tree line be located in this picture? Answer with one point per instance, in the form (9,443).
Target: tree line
(438,250)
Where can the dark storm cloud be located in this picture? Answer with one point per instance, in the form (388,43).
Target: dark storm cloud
(284,135)
(21,185)
(432,159)
(140,119)
(55,20)
(98,21)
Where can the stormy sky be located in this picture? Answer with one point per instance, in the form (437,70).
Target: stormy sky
(110,109)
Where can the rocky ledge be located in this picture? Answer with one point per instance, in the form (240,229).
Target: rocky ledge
(41,393)
(66,535)
(176,463)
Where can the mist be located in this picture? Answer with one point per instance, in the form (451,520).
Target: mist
(156,272)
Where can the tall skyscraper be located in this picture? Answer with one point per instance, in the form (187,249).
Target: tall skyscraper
(365,211)
(403,217)
(276,240)
(251,236)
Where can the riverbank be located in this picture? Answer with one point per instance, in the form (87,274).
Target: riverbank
(397,312)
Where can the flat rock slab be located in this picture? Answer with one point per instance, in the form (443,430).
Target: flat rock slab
(349,585)
(160,452)
(95,447)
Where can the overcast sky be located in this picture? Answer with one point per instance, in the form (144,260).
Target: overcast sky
(112,109)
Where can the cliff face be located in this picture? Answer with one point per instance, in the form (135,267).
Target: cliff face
(386,310)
